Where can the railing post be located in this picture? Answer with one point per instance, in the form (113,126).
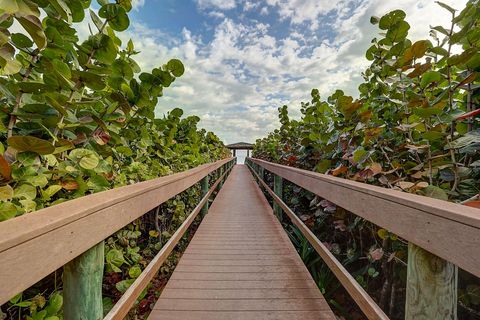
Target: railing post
(431,286)
(204,186)
(82,285)
(220,185)
(278,189)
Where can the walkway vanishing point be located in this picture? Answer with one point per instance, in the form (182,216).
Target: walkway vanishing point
(241,265)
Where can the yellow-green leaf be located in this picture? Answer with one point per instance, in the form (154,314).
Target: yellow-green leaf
(6,193)
(25,191)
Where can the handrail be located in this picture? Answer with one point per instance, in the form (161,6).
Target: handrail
(361,297)
(123,306)
(53,236)
(448,230)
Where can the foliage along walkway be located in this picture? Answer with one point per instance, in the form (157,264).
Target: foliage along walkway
(241,265)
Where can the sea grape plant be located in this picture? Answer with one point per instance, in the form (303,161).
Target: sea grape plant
(412,127)
(78,117)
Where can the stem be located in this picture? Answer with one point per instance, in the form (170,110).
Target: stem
(18,100)
(449,76)
(430,178)
(455,167)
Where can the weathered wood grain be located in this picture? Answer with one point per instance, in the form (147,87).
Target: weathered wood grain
(241,265)
(82,285)
(431,286)
(123,306)
(359,295)
(427,222)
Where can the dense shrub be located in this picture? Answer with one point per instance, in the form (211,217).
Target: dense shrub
(412,128)
(78,118)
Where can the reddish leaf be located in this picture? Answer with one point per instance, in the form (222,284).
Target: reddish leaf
(70,185)
(474,204)
(101,137)
(5,169)
(339,170)
(467,115)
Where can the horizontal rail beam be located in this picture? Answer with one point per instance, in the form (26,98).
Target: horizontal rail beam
(51,237)
(123,306)
(448,230)
(360,296)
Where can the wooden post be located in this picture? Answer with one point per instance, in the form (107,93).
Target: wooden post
(431,286)
(82,285)
(248,153)
(204,186)
(234,152)
(278,189)
(220,185)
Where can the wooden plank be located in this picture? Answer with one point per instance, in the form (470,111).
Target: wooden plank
(243,315)
(429,223)
(66,230)
(233,266)
(238,284)
(359,295)
(236,269)
(242,293)
(238,276)
(431,286)
(125,303)
(284,261)
(242,304)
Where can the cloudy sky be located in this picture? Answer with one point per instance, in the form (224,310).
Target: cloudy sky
(245,58)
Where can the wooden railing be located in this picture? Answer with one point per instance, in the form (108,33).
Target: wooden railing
(71,234)
(441,235)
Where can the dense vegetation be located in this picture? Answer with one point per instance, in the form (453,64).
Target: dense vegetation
(412,128)
(78,118)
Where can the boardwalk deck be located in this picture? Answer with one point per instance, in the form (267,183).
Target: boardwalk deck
(240,265)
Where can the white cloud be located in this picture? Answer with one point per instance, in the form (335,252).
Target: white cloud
(216,4)
(137,4)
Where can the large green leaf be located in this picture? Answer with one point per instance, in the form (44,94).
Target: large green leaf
(6,193)
(25,191)
(391,19)
(7,211)
(176,67)
(35,29)
(116,16)
(430,77)
(32,144)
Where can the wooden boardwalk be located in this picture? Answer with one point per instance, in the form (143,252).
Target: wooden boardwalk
(241,265)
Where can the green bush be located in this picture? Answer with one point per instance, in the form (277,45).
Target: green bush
(412,128)
(79,118)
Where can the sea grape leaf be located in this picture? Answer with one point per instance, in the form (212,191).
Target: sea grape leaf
(7,211)
(21,41)
(116,16)
(391,19)
(430,77)
(35,29)
(32,144)
(176,67)
(25,191)
(6,193)
(435,192)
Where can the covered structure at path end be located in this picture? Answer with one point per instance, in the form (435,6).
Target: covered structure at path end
(240,146)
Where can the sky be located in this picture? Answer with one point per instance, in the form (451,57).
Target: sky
(246,58)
